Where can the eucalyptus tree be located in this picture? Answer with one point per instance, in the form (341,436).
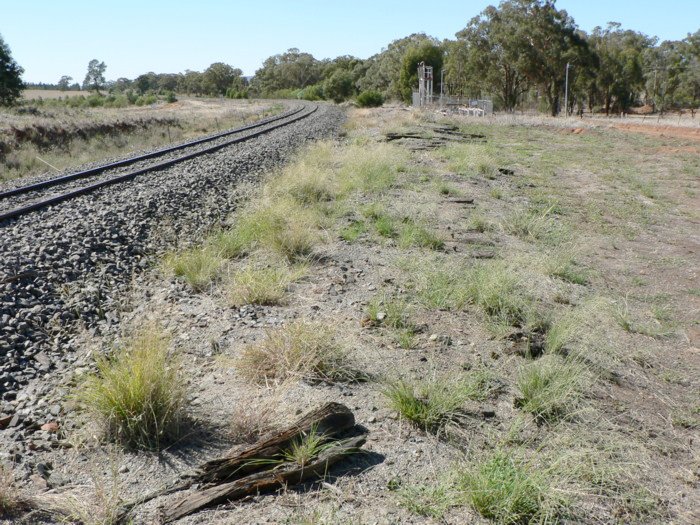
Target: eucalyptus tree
(11,84)
(95,76)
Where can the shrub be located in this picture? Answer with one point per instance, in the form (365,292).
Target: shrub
(138,394)
(95,100)
(303,350)
(313,93)
(170,97)
(370,99)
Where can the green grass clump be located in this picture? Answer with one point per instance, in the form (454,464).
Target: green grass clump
(308,447)
(413,234)
(497,289)
(429,500)
(371,169)
(353,231)
(468,159)
(391,312)
(265,286)
(302,350)
(507,491)
(435,402)
(310,179)
(563,266)
(479,223)
(385,226)
(282,226)
(138,394)
(536,225)
(550,388)
(197,266)
(443,188)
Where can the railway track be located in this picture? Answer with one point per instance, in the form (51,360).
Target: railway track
(22,200)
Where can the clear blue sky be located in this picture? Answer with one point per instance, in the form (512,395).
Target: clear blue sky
(50,38)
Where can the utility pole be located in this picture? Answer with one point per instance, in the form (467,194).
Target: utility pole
(566,92)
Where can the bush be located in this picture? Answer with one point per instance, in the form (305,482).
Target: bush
(170,97)
(146,100)
(138,394)
(370,99)
(95,101)
(311,93)
(237,93)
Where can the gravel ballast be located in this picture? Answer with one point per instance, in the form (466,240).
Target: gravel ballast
(68,266)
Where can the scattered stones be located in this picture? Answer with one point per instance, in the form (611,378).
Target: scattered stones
(68,266)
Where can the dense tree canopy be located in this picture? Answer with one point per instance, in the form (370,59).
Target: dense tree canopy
(11,84)
(290,70)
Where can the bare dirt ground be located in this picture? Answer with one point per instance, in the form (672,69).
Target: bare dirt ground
(596,231)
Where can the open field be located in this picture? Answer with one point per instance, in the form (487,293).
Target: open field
(509,307)
(56,138)
(34,94)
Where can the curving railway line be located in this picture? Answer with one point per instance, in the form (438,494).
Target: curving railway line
(22,200)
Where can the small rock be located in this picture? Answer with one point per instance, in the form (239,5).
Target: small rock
(381,316)
(433,337)
(51,426)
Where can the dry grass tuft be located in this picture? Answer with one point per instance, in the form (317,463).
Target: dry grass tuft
(138,394)
(551,388)
(302,350)
(265,286)
(11,500)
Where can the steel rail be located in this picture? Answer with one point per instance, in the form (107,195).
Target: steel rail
(37,205)
(131,160)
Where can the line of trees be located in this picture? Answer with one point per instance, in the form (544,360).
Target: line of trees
(517,54)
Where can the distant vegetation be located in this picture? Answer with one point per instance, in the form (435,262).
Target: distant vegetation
(516,54)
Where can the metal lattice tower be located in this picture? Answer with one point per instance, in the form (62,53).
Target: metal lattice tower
(425,84)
